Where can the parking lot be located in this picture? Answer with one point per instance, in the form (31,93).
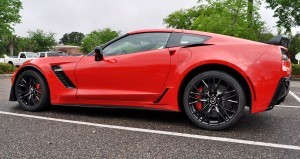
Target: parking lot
(73,132)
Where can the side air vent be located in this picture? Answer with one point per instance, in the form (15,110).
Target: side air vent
(62,77)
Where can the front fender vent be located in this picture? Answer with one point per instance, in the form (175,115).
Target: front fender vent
(60,74)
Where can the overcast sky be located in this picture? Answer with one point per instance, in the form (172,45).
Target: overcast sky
(65,16)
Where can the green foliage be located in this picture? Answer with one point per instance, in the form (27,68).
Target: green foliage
(228,17)
(40,40)
(183,19)
(74,38)
(294,47)
(97,38)
(9,15)
(295,69)
(6,68)
(287,12)
(23,44)
(3,46)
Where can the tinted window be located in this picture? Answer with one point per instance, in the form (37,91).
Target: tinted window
(188,39)
(137,43)
(42,54)
(32,55)
(22,56)
(181,39)
(53,54)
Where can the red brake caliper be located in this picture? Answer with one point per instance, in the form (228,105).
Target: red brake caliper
(199,105)
(37,86)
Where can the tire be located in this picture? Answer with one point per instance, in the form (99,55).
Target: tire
(11,63)
(214,100)
(32,91)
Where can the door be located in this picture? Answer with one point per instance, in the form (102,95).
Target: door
(21,59)
(135,68)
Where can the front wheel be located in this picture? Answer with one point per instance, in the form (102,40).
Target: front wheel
(32,91)
(214,100)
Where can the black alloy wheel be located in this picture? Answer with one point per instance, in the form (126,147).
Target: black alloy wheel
(214,100)
(32,91)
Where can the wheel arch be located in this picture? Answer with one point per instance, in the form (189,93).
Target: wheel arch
(216,67)
(29,67)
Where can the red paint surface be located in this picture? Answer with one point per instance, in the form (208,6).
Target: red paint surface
(139,79)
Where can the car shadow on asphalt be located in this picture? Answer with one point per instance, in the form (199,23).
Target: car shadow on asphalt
(150,119)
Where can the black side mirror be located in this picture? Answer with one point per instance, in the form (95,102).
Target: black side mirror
(98,53)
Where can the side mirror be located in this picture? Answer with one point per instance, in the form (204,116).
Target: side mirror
(98,53)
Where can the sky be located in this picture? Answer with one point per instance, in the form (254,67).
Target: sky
(65,16)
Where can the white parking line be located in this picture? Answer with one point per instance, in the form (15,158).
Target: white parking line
(295,85)
(287,106)
(202,137)
(295,96)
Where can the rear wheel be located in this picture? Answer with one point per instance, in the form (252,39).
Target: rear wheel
(32,91)
(214,100)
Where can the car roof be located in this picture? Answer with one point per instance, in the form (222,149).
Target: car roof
(217,38)
(174,30)
(26,52)
(156,30)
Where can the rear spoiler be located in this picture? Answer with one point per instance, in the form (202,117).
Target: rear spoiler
(281,40)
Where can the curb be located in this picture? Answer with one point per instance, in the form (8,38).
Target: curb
(5,75)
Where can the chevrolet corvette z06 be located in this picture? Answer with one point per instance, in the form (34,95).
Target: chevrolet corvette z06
(210,77)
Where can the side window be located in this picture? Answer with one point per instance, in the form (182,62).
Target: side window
(42,55)
(181,39)
(188,39)
(137,43)
(22,55)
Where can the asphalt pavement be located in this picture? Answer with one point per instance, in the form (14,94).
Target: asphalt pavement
(74,132)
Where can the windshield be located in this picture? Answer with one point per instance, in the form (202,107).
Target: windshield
(31,55)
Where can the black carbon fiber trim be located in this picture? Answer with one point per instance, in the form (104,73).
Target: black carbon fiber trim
(280,92)
(60,74)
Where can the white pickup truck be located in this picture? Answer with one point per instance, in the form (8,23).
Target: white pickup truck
(22,57)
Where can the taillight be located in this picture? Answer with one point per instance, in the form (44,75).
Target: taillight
(285,54)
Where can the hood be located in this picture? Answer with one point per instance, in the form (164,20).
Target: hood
(55,60)
(44,63)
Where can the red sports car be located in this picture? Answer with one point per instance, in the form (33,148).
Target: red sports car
(208,76)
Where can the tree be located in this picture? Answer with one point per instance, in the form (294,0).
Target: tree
(73,38)
(41,41)
(287,12)
(229,17)
(294,47)
(97,38)
(182,19)
(9,15)
(8,41)
(23,44)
